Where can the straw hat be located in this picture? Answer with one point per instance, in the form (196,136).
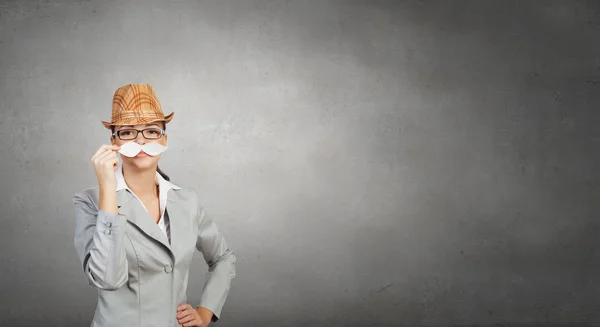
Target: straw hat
(136,104)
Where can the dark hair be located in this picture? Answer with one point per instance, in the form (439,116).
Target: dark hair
(165,176)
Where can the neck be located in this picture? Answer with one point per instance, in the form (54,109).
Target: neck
(141,181)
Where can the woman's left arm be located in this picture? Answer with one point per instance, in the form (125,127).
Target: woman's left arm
(221,267)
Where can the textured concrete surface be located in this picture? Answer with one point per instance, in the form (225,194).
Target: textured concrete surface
(373,163)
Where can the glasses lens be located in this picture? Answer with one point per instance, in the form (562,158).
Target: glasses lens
(127,134)
(151,133)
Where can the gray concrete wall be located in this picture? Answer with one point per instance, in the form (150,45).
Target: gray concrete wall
(373,163)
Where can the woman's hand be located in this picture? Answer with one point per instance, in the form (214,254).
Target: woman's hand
(105,162)
(188,316)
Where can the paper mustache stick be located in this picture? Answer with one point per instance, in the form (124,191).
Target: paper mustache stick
(131,149)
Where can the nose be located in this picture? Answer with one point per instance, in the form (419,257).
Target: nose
(140,139)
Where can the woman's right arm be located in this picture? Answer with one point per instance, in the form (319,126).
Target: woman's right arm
(100,232)
(99,241)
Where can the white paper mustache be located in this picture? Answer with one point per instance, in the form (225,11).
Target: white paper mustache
(131,149)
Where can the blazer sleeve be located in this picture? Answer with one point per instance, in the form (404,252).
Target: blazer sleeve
(221,264)
(99,242)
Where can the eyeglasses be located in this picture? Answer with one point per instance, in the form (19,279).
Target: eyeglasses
(148,133)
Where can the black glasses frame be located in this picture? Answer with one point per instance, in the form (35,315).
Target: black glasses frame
(137,132)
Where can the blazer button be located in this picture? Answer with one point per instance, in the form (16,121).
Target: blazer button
(108,224)
(168,269)
(107,231)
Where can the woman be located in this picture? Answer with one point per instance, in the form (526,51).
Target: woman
(136,232)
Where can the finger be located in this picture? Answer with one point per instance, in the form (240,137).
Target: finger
(100,150)
(107,158)
(186,319)
(192,324)
(105,153)
(100,159)
(184,306)
(105,148)
(186,312)
(108,161)
(182,313)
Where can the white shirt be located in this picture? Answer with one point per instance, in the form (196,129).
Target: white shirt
(163,187)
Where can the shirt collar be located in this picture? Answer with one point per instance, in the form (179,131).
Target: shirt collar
(158,179)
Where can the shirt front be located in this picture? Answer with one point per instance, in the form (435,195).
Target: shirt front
(163,187)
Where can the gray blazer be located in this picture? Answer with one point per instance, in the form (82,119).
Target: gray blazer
(140,277)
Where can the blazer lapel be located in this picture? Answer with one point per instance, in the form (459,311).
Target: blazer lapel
(180,225)
(135,213)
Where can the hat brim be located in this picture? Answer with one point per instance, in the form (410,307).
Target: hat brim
(138,120)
